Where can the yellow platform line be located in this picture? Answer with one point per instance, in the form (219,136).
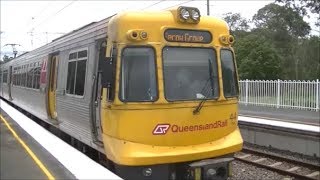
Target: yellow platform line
(33,156)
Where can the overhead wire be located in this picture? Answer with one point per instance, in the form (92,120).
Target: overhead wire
(54,14)
(38,14)
(177,4)
(153,4)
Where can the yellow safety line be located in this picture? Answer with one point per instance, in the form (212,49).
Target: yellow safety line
(34,157)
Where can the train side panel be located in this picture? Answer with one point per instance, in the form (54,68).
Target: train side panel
(30,99)
(73,110)
(74,114)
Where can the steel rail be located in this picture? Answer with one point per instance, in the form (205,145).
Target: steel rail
(281,158)
(298,163)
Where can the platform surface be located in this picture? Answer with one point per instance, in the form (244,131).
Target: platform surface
(281,114)
(17,163)
(61,160)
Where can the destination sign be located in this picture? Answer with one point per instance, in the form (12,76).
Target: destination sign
(189,36)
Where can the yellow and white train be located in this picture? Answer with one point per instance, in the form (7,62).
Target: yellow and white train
(156,92)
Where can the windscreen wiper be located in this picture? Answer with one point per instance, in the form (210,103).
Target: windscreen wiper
(206,89)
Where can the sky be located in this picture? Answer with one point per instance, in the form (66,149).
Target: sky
(32,24)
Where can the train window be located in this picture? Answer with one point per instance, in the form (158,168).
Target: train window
(138,75)
(36,77)
(229,75)
(30,76)
(82,54)
(80,77)
(71,77)
(23,76)
(76,72)
(26,72)
(73,56)
(18,76)
(14,76)
(190,73)
(5,76)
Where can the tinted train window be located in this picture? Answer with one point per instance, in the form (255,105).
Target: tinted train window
(80,77)
(71,77)
(73,56)
(77,72)
(82,54)
(190,73)
(36,75)
(36,84)
(229,76)
(138,77)
(19,76)
(23,76)
(14,76)
(5,76)
(26,74)
(30,76)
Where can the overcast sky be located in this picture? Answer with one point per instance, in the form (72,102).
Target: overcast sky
(48,20)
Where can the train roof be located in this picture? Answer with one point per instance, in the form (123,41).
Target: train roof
(95,30)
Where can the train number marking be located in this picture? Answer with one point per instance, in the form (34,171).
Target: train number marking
(161,129)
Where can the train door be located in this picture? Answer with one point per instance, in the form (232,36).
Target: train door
(52,86)
(96,123)
(9,83)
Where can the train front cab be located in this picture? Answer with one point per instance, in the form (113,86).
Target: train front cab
(170,93)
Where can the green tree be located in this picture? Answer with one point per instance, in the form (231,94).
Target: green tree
(281,20)
(301,7)
(236,22)
(285,28)
(279,46)
(308,58)
(257,59)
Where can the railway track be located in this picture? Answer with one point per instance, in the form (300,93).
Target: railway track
(279,164)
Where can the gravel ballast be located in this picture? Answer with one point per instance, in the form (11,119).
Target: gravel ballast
(241,170)
(244,171)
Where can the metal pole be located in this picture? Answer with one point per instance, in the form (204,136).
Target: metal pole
(208,9)
(317,95)
(278,94)
(246,91)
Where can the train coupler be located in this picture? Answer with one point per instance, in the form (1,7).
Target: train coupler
(209,169)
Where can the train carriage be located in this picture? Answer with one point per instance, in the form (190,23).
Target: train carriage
(156,92)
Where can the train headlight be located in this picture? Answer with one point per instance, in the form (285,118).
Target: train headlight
(137,35)
(195,15)
(231,39)
(211,172)
(147,172)
(143,35)
(188,14)
(184,13)
(226,39)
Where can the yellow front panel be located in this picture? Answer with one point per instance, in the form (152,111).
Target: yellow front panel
(136,154)
(171,126)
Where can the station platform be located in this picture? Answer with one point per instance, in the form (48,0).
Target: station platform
(28,151)
(23,158)
(281,114)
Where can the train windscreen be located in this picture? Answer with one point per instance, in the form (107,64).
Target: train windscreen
(138,75)
(190,73)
